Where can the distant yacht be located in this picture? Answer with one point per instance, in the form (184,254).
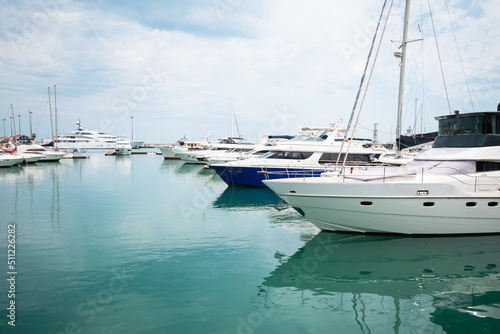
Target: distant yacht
(123,146)
(184,145)
(83,138)
(47,155)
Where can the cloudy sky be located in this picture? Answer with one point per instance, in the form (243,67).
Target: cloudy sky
(175,65)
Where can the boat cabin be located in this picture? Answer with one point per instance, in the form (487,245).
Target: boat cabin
(468,130)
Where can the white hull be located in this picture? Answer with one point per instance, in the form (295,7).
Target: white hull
(123,151)
(9,161)
(136,143)
(394,208)
(168,153)
(123,146)
(189,156)
(52,156)
(85,145)
(47,155)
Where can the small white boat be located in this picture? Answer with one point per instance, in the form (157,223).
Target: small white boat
(8,160)
(123,146)
(47,155)
(184,145)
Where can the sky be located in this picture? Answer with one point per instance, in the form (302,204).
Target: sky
(179,67)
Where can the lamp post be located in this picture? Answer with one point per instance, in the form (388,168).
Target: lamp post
(132,121)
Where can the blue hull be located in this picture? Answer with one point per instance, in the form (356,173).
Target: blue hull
(253,176)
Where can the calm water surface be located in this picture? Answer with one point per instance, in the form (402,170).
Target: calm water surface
(141,245)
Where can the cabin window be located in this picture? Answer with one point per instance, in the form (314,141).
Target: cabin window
(287,155)
(492,204)
(461,126)
(487,166)
(366,203)
(428,204)
(470,204)
(327,158)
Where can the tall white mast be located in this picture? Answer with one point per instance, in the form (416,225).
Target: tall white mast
(50,109)
(402,76)
(13,119)
(55,112)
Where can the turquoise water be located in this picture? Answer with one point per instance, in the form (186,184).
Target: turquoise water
(141,245)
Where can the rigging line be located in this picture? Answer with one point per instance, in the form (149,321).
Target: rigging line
(360,87)
(369,80)
(459,55)
(236,122)
(439,56)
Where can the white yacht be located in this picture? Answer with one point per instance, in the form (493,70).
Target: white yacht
(123,146)
(8,160)
(452,188)
(224,145)
(184,145)
(83,138)
(47,155)
(243,151)
(28,158)
(301,156)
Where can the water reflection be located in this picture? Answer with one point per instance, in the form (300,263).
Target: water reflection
(424,281)
(245,197)
(124,165)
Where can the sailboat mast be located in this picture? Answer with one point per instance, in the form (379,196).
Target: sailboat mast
(13,119)
(402,78)
(55,112)
(50,109)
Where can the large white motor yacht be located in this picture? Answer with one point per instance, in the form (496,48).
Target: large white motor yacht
(452,188)
(83,138)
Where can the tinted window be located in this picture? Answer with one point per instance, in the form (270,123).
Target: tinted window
(288,155)
(332,158)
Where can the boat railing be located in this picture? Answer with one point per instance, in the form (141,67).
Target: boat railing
(305,171)
(477,181)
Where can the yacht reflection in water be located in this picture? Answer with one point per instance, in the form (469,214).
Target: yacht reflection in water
(433,285)
(245,197)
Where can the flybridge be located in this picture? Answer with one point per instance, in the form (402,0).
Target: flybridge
(477,129)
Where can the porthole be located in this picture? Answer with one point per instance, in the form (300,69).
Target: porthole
(492,204)
(428,204)
(366,203)
(470,204)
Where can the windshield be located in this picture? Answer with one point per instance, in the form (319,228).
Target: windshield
(306,138)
